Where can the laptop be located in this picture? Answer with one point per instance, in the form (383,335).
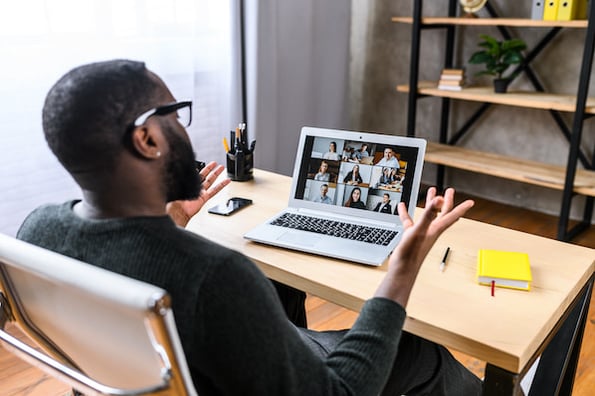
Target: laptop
(344,195)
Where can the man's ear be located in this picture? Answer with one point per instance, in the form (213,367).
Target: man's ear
(146,141)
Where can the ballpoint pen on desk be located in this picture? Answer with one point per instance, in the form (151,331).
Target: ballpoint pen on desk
(443,262)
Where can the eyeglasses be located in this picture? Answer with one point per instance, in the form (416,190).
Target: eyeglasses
(183,110)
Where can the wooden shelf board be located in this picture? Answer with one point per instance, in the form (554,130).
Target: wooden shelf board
(531,172)
(530,99)
(582,23)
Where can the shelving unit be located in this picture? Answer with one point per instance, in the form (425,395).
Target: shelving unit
(567,179)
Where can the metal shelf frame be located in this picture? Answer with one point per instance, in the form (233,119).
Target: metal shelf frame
(573,135)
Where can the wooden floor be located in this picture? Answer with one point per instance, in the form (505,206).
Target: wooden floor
(17,378)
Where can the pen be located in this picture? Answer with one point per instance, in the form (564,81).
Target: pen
(443,262)
(252,145)
(225,145)
(243,135)
(199,165)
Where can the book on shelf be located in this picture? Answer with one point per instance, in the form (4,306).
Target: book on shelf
(450,87)
(454,83)
(452,79)
(505,269)
(453,72)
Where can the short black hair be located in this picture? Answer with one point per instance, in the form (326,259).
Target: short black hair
(88,112)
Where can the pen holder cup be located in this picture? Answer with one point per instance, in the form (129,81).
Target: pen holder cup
(239,167)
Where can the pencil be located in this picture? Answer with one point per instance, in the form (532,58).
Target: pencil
(225,145)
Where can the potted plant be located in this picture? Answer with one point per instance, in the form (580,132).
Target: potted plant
(497,57)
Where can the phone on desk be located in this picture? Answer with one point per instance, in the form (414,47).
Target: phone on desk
(233,205)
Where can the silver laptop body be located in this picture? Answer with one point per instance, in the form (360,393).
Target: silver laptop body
(324,202)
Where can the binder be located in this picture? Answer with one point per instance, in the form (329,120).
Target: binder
(537,9)
(566,10)
(550,10)
(582,9)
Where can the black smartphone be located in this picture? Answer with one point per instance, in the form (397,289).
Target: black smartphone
(233,205)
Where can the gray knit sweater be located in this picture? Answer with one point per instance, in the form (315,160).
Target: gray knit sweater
(234,331)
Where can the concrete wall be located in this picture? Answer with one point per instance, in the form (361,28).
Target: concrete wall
(380,61)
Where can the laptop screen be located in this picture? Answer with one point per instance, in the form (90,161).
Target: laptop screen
(358,171)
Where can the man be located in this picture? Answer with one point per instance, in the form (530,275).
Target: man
(384,206)
(120,133)
(389,159)
(361,153)
(323,198)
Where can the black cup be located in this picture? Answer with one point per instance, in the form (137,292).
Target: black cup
(240,166)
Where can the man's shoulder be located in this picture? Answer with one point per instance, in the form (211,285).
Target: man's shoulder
(42,219)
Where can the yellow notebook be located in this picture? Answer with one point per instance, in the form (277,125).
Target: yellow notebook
(506,269)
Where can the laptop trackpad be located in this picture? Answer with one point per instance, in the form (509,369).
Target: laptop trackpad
(299,238)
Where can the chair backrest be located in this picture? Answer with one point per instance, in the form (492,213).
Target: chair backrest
(101,332)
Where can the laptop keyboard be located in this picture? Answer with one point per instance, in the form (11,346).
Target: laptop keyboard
(378,236)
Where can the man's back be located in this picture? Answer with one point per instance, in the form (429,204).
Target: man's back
(230,321)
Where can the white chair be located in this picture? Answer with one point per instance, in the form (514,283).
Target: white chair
(100,332)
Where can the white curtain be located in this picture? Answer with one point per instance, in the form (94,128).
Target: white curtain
(187,42)
(298,72)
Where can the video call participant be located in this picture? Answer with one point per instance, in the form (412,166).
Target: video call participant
(353,177)
(384,206)
(332,154)
(385,178)
(361,153)
(323,174)
(354,200)
(389,159)
(323,198)
(113,126)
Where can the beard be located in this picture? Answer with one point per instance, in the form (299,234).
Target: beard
(182,180)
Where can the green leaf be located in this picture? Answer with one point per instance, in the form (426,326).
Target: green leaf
(512,58)
(485,73)
(480,57)
(513,44)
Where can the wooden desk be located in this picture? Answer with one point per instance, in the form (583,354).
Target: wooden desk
(508,331)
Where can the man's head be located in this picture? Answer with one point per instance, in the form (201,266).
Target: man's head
(324,190)
(88,121)
(388,153)
(385,198)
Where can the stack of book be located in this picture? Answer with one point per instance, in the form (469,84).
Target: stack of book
(452,79)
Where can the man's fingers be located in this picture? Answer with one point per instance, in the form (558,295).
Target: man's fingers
(449,197)
(449,218)
(404,215)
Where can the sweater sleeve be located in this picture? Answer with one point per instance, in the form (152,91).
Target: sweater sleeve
(266,355)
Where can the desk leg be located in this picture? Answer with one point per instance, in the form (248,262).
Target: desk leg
(557,366)
(498,382)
